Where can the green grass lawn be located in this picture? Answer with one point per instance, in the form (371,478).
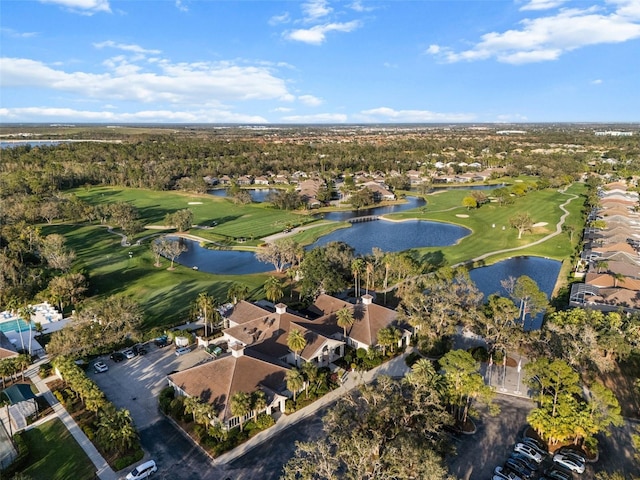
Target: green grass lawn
(487,221)
(164,295)
(55,455)
(233,221)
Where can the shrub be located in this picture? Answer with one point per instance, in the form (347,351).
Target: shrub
(176,409)
(200,431)
(479,354)
(127,460)
(264,421)
(412,358)
(164,400)
(361,353)
(88,431)
(45,370)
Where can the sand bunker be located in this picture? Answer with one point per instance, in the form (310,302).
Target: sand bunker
(462,215)
(195,203)
(540,224)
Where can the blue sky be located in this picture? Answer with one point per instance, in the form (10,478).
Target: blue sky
(319,61)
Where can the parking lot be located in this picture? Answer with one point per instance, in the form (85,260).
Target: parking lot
(135,383)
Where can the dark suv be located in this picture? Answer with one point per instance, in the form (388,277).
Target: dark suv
(117,356)
(162,341)
(139,349)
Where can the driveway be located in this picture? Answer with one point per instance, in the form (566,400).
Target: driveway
(135,383)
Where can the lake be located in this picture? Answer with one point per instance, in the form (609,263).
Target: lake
(543,270)
(395,236)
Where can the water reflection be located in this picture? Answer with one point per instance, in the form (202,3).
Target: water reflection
(543,270)
(258,195)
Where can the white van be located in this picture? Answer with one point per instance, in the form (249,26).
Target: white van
(143,470)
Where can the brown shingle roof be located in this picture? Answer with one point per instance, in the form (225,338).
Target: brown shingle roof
(217,381)
(244,311)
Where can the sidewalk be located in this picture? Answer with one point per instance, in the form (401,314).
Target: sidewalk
(103,470)
(395,367)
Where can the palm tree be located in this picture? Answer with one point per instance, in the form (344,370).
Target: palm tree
(240,406)
(115,430)
(369,270)
(25,313)
(237,291)
(345,319)
(295,382)
(388,337)
(311,375)
(273,289)
(258,402)
(617,277)
(22,362)
(296,342)
(206,305)
(356,270)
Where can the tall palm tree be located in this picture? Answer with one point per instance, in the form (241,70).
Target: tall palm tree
(369,270)
(356,269)
(258,402)
(240,406)
(116,430)
(206,306)
(295,382)
(617,277)
(25,313)
(296,342)
(345,319)
(273,289)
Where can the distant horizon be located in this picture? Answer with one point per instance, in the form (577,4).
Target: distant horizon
(320,62)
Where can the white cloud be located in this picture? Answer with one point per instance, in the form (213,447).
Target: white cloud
(316,35)
(310,100)
(359,6)
(86,7)
(316,9)
(317,118)
(283,109)
(280,19)
(542,4)
(511,117)
(386,114)
(126,47)
(181,6)
(547,38)
(10,32)
(43,114)
(596,82)
(174,83)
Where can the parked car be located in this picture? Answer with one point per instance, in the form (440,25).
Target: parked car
(569,461)
(527,462)
(558,474)
(182,351)
(520,468)
(572,453)
(162,341)
(129,353)
(529,452)
(541,446)
(100,367)
(214,350)
(144,470)
(117,357)
(501,473)
(139,349)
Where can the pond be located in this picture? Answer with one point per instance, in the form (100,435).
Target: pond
(543,270)
(395,236)
(258,195)
(411,203)
(221,262)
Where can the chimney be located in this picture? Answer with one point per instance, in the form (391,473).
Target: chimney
(281,308)
(367,299)
(237,350)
